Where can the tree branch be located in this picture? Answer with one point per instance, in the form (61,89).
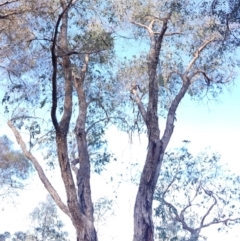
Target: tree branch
(174,72)
(197,54)
(208,79)
(8,2)
(172,112)
(67,70)
(210,194)
(84,52)
(139,102)
(39,170)
(169,34)
(170,184)
(225,221)
(54,64)
(143,26)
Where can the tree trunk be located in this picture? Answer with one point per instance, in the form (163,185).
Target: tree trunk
(79,202)
(143,224)
(83,175)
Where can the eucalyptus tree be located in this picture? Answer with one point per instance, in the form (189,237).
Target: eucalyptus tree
(185,56)
(45,225)
(63,81)
(46,222)
(194,193)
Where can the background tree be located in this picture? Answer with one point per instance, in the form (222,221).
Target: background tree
(194,193)
(45,225)
(46,222)
(102,213)
(14,168)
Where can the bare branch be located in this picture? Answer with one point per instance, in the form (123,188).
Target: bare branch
(143,26)
(8,2)
(169,34)
(161,19)
(208,79)
(224,221)
(139,102)
(91,126)
(39,170)
(174,72)
(84,52)
(170,184)
(210,194)
(172,112)
(179,218)
(197,53)
(108,118)
(150,26)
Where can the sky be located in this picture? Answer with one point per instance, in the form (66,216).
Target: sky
(215,125)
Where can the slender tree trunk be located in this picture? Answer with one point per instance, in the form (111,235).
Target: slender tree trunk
(83,175)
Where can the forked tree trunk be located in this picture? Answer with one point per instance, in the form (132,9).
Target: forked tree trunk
(143,223)
(78,198)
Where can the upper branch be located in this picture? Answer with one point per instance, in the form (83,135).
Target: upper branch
(210,194)
(54,64)
(173,180)
(149,28)
(197,54)
(8,2)
(172,112)
(179,218)
(224,221)
(79,52)
(67,70)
